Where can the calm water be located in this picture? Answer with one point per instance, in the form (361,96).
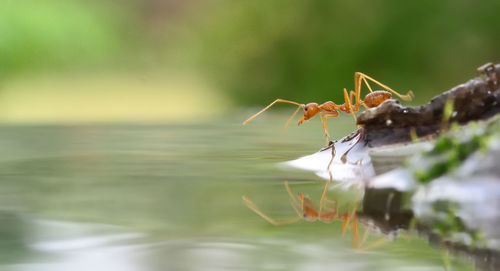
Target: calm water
(168,197)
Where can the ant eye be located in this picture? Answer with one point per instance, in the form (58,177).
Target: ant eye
(305,108)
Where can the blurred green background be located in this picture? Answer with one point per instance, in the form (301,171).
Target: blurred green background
(202,67)
(178,60)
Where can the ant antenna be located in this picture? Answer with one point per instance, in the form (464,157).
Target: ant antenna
(267,107)
(291,118)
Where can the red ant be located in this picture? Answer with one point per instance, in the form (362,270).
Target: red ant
(331,110)
(306,209)
(328,212)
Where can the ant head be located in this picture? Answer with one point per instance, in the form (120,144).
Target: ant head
(309,211)
(310,110)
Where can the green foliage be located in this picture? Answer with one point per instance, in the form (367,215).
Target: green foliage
(39,34)
(451,149)
(257,51)
(447,223)
(309,50)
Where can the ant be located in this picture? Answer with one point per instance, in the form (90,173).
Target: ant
(331,110)
(305,209)
(327,212)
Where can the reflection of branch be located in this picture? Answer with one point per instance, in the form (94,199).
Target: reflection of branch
(485,259)
(383,208)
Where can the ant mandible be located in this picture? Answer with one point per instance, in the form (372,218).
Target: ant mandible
(331,110)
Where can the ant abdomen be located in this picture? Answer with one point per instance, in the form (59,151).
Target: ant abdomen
(374,99)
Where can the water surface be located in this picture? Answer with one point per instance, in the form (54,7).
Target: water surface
(168,197)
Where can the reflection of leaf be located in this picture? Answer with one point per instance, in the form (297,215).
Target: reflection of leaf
(451,149)
(448,224)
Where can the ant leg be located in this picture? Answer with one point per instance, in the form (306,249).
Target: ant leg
(357,90)
(373,244)
(267,107)
(349,106)
(355,233)
(407,97)
(352,97)
(291,118)
(367,84)
(330,115)
(351,216)
(331,161)
(293,201)
(357,102)
(346,217)
(357,87)
(344,222)
(323,196)
(355,107)
(323,123)
(254,208)
(331,210)
(365,236)
(326,115)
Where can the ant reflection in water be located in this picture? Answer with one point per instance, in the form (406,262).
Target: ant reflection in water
(306,209)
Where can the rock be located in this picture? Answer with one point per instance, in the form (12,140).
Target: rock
(477,99)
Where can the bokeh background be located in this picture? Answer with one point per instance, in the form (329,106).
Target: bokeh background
(120,125)
(178,60)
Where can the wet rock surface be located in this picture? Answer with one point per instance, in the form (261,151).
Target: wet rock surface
(455,193)
(477,99)
(447,189)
